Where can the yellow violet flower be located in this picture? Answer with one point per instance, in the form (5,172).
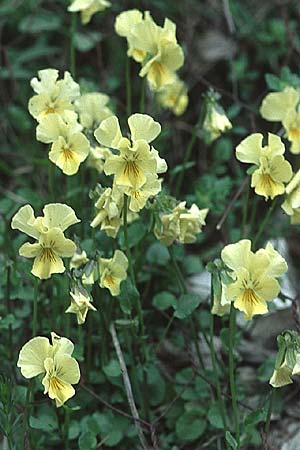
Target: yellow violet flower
(216,122)
(174,96)
(97,158)
(124,25)
(48,230)
(54,361)
(221,305)
(92,109)
(113,271)
(163,54)
(291,123)
(276,104)
(254,276)
(88,8)
(291,205)
(80,305)
(136,158)
(272,169)
(281,376)
(139,196)
(69,146)
(78,259)
(109,205)
(52,96)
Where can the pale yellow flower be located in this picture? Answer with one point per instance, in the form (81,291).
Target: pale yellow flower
(291,205)
(281,376)
(52,96)
(276,104)
(109,205)
(124,25)
(78,259)
(69,146)
(97,158)
(92,109)
(54,361)
(81,303)
(254,276)
(88,8)
(216,122)
(174,96)
(48,230)
(291,123)
(272,169)
(136,159)
(139,196)
(221,305)
(113,271)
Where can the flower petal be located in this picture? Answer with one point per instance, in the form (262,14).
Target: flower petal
(32,356)
(144,127)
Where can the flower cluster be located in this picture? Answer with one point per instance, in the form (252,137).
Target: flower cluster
(54,362)
(271,169)
(284,107)
(253,277)
(88,8)
(180,225)
(48,231)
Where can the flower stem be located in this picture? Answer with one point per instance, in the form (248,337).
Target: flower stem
(142,102)
(190,147)
(128,252)
(264,223)
(128,88)
(232,325)
(35,307)
(245,210)
(269,413)
(165,332)
(66,427)
(72,44)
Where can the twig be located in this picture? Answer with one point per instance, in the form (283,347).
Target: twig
(228,16)
(231,203)
(128,388)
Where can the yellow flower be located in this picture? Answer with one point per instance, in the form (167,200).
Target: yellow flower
(254,276)
(221,305)
(136,159)
(97,158)
(52,96)
(78,259)
(88,8)
(69,146)
(80,305)
(124,25)
(92,109)
(216,122)
(276,104)
(109,205)
(291,205)
(163,54)
(181,224)
(291,123)
(139,196)
(113,271)
(174,96)
(281,376)
(272,169)
(54,362)
(48,230)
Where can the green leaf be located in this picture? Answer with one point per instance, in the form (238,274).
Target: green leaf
(112,369)
(157,254)
(129,295)
(136,232)
(86,41)
(43,21)
(230,440)
(187,303)
(214,416)
(87,441)
(45,422)
(164,300)
(190,426)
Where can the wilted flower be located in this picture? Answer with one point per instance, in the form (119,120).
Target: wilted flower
(174,96)
(81,303)
(216,122)
(272,169)
(92,109)
(88,8)
(52,96)
(54,362)
(113,271)
(254,276)
(47,230)
(291,205)
(109,205)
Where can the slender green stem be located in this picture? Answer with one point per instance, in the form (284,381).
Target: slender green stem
(66,428)
(165,332)
(51,188)
(190,148)
(245,210)
(264,223)
(128,252)
(232,326)
(269,413)
(72,44)
(35,307)
(214,364)
(10,336)
(143,92)
(128,87)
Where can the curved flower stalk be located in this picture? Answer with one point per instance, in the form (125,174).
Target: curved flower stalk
(254,276)
(174,97)
(291,205)
(53,95)
(180,225)
(92,109)
(272,170)
(52,361)
(284,107)
(69,146)
(48,230)
(155,47)
(88,8)
(81,303)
